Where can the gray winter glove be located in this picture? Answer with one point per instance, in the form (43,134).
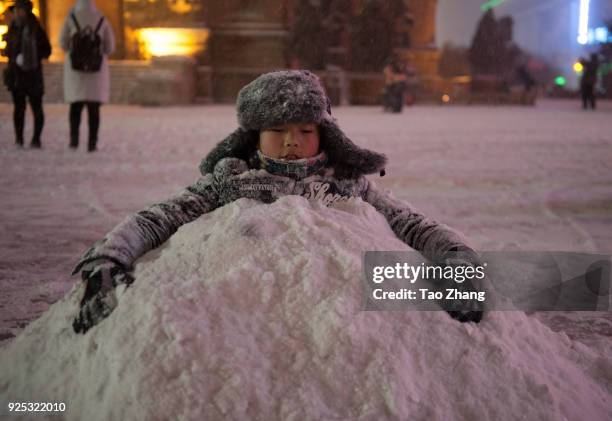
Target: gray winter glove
(233,180)
(102,277)
(463,310)
(461,291)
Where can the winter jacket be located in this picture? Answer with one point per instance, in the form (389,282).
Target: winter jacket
(149,228)
(29,40)
(82,86)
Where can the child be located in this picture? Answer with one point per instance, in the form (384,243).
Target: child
(287,143)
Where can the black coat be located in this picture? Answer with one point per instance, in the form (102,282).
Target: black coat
(27,81)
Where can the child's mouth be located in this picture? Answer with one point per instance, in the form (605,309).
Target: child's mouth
(290,157)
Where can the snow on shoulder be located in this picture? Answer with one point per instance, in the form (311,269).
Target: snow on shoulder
(253,311)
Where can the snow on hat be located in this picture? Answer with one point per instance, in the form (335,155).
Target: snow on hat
(292,96)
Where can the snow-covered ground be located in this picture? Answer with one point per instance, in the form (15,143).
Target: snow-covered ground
(510,178)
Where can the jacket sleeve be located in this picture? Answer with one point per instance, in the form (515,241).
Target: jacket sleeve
(433,240)
(108,38)
(149,228)
(64,39)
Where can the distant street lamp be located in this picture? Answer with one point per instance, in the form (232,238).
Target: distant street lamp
(578,67)
(583,22)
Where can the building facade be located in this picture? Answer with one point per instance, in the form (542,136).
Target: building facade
(228,42)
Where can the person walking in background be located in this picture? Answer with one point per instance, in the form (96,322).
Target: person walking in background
(588,81)
(26,46)
(525,78)
(395,86)
(87,38)
(529,84)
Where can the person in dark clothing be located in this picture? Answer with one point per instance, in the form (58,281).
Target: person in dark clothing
(588,82)
(27,45)
(525,77)
(528,82)
(395,86)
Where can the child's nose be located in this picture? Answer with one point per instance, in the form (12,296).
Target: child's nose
(292,138)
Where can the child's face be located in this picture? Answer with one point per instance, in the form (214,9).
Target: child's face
(290,141)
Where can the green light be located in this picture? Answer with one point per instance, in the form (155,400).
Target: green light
(604,69)
(560,81)
(491,4)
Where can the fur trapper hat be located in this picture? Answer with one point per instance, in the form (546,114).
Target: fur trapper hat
(292,96)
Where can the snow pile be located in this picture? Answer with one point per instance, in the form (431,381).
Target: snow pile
(253,311)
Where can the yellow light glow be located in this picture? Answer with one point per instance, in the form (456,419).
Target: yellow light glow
(445,98)
(4,8)
(160,42)
(3,30)
(181,6)
(578,67)
(462,79)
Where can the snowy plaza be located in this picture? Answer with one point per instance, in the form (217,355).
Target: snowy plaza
(509,178)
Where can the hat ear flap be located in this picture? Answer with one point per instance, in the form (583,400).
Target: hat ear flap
(348,159)
(239,144)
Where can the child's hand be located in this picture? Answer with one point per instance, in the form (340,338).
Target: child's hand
(464,315)
(102,277)
(233,180)
(464,310)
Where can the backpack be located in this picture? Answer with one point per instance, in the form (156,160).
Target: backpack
(86,47)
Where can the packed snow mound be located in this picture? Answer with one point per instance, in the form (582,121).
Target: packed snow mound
(254,312)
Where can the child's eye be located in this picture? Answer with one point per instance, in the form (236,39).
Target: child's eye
(307,131)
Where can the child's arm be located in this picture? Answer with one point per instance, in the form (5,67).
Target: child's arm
(436,242)
(149,228)
(107,264)
(433,240)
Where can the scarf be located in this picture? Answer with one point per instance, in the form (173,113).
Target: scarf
(296,169)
